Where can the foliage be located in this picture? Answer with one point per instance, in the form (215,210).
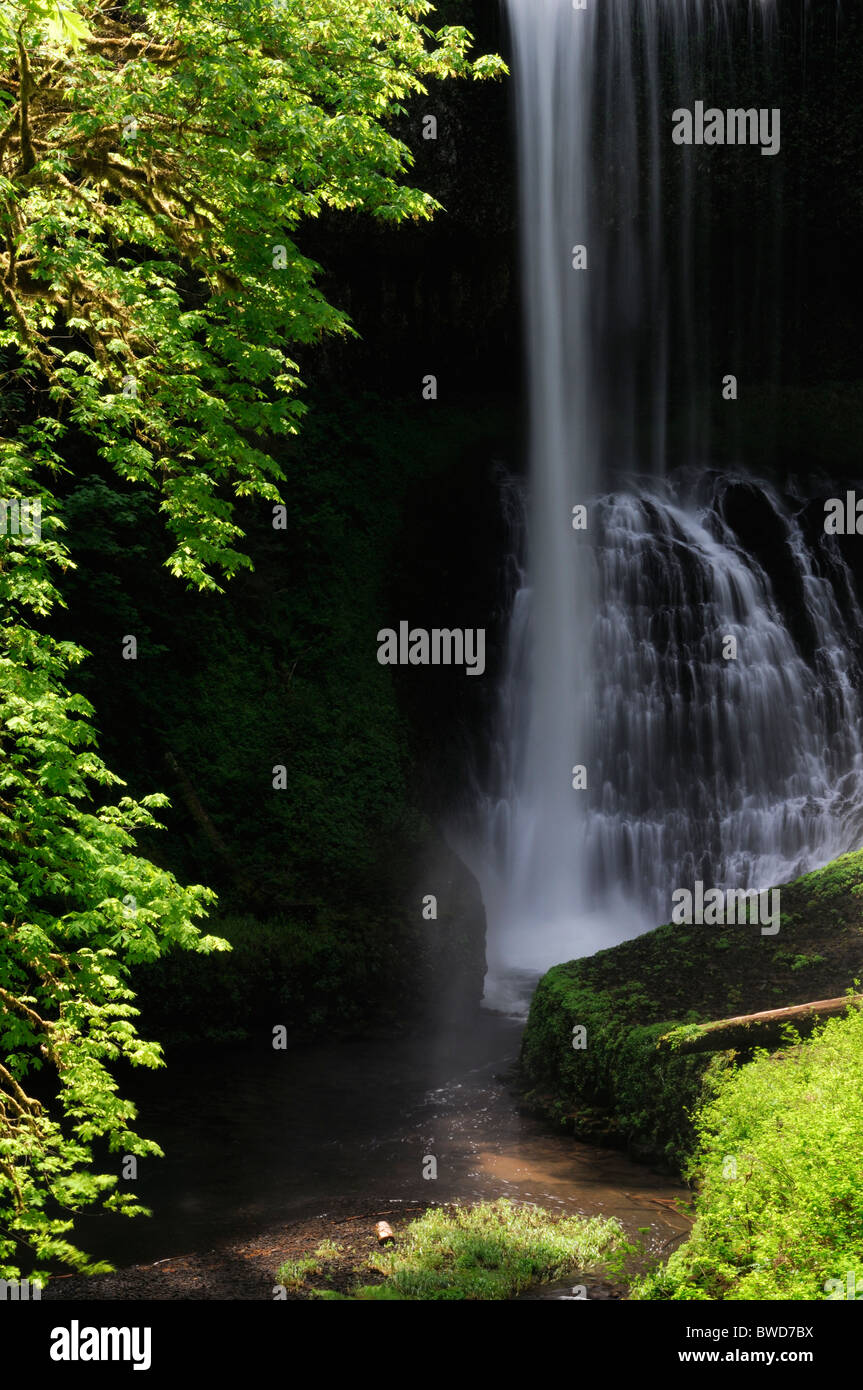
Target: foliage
(778,1168)
(294,642)
(156,159)
(155,162)
(78,909)
(294,1273)
(309,976)
(494,1250)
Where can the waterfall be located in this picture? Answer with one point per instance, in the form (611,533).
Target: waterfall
(708,694)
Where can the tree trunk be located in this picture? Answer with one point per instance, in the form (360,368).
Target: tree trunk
(756,1030)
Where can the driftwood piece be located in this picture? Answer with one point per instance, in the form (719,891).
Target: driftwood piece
(755,1030)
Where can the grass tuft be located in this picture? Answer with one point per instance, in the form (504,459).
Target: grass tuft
(491,1251)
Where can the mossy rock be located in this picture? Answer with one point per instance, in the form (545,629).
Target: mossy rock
(618,1085)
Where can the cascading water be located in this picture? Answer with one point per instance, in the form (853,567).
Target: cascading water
(742,767)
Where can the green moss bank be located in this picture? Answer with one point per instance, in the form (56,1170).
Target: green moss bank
(617,1086)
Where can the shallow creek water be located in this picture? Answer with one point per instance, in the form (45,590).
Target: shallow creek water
(256,1138)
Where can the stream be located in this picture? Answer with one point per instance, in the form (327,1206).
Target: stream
(257,1139)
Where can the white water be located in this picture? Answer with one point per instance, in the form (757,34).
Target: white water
(741,773)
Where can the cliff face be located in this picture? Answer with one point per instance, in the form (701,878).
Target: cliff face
(321,868)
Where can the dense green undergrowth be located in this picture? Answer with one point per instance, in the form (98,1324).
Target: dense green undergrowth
(779,1172)
(307,975)
(320,880)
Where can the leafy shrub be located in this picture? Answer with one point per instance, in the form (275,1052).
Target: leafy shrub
(780,1175)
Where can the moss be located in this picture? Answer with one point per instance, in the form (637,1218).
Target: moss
(618,1086)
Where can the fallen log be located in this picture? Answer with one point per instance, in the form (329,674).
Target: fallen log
(746,1031)
(384,1232)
